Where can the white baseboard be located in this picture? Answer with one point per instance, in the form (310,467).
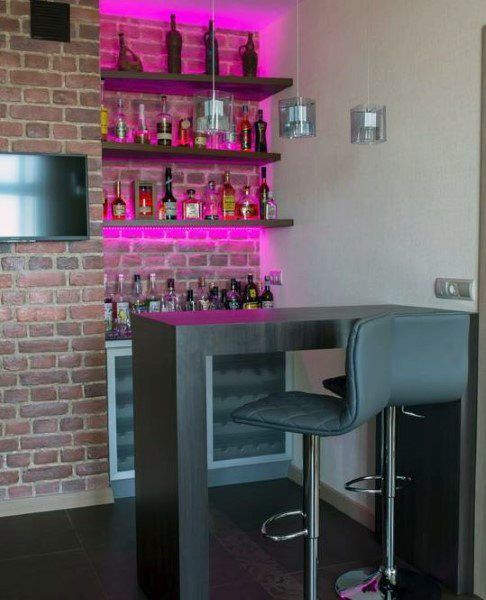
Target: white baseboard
(24,506)
(349,507)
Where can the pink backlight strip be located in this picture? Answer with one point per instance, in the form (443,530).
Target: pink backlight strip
(148,232)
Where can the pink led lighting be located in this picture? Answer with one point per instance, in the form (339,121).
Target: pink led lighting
(235,233)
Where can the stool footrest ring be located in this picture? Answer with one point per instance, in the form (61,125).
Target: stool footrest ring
(351,486)
(288,536)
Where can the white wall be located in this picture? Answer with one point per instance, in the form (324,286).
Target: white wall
(378,225)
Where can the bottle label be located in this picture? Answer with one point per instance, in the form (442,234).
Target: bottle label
(250,305)
(123,313)
(229,205)
(204,304)
(154,306)
(108,316)
(164,131)
(138,308)
(270,211)
(104,122)
(248,211)
(200,141)
(267,304)
(121,130)
(233,304)
(170,210)
(192,210)
(119,210)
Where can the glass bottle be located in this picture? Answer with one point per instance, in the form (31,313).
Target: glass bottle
(103,115)
(263,193)
(247,207)
(191,206)
(185,132)
(173,40)
(267,296)
(270,207)
(121,127)
(224,299)
(169,201)
(233,297)
(231,138)
(106,206)
(250,297)
(145,202)
(229,198)
(121,308)
(142,135)
(118,206)
(137,301)
(212,50)
(202,298)
(108,305)
(260,133)
(171,299)
(214,300)
(164,124)
(245,131)
(211,203)
(190,304)
(200,139)
(153,299)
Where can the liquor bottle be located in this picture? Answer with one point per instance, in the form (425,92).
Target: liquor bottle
(260,133)
(190,304)
(224,299)
(171,299)
(202,297)
(229,199)
(103,115)
(106,206)
(145,201)
(164,125)
(233,297)
(231,138)
(263,193)
(214,300)
(200,139)
(270,207)
(121,127)
(245,131)
(212,50)
(267,296)
(247,207)
(250,298)
(121,308)
(142,135)
(191,206)
(173,40)
(138,303)
(153,300)
(108,306)
(185,132)
(127,59)
(212,207)
(169,200)
(118,206)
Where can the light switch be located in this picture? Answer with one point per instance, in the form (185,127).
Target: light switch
(454,289)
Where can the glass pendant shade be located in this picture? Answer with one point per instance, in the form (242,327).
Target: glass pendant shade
(213,111)
(297,117)
(368,124)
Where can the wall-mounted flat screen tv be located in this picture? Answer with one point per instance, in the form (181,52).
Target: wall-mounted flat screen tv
(43,197)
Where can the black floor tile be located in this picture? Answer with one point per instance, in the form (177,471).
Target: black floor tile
(116,569)
(38,533)
(57,576)
(224,569)
(248,591)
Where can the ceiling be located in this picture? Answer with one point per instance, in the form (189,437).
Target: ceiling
(250,15)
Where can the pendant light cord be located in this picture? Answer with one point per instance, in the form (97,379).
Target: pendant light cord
(213,57)
(297,75)
(369,15)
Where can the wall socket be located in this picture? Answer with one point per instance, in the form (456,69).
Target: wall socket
(276,277)
(454,289)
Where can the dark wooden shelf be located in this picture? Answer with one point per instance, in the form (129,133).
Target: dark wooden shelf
(187,155)
(270,224)
(243,88)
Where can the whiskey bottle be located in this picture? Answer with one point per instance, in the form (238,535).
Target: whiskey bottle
(250,298)
(233,297)
(169,200)
(267,296)
(270,207)
(260,133)
(185,132)
(121,127)
(121,308)
(191,206)
(247,208)
(245,131)
(137,301)
(103,115)
(229,199)
(190,304)
(118,206)
(212,206)
(214,300)
(202,298)
(108,305)
(263,193)
(153,300)
(142,135)
(164,125)
(171,299)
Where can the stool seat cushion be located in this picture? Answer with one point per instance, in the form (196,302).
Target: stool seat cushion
(298,412)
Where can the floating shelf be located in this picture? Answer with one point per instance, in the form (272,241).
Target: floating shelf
(243,88)
(183,154)
(270,224)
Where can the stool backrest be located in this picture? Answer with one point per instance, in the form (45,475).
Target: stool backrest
(429,361)
(368,370)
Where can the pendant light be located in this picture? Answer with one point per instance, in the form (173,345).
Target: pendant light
(368,121)
(297,116)
(214,109)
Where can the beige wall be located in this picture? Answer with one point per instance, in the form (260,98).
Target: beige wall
(379,224)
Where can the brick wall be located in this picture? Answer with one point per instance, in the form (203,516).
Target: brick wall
(52,376)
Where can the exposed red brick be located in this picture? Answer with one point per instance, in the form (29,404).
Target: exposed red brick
(46,457)
(41,248)
(71,423)
(90,437)
(48,313)
(14,363)
(43,473)
(18,459)
(72,455)
(94,452)
(92,468)
(8,477)
(43,394)
(7,347)
(37,130)
(47,279)
(14,396)
(42,361)
(45,426)
(84,279)
(36,96)
(87,407)
(44,377)
(87,375)
(43,409)
(40,297)
(32,346)
(41,330)
(68,329)
(70,392)
(47,487)
(45,441)
(19,491)
(17,427)
(86,312)
(93,342)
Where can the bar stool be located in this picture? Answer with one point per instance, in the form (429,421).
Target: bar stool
(316,416)
(429,365)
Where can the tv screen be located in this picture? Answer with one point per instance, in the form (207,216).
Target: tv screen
(43,197)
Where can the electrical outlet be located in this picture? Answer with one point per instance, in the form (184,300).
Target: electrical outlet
(454,289)
(276,277)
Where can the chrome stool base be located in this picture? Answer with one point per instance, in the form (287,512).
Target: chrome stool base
(370,584)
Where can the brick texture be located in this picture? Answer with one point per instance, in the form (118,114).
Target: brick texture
(48,363)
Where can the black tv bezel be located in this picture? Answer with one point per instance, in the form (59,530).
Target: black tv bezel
(64,238)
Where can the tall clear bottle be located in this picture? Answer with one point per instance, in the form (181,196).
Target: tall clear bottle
(153,299)
(164,124)
(202,297)
(108,305)
(171,299)
(121,126)
(142,134)
(137,300)
(212,204)
(121,308)
(190,304)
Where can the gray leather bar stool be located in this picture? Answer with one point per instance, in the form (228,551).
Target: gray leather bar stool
(429,363)
(316,416)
